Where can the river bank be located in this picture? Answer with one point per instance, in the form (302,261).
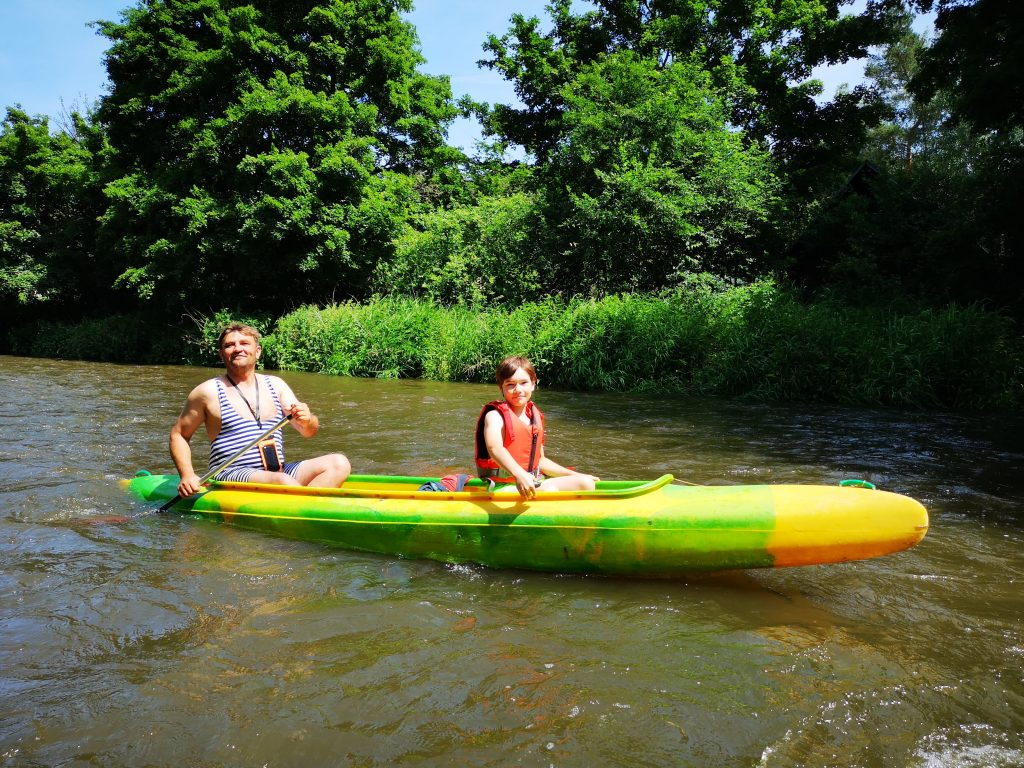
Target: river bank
(758,342)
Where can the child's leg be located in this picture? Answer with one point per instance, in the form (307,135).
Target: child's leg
(567,483)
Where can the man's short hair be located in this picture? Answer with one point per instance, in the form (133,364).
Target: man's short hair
(248,330)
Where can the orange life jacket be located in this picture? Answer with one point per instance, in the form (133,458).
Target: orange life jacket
(522,441)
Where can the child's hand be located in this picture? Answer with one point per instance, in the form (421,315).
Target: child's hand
(526,484)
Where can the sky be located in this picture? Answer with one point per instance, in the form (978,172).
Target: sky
(51,61)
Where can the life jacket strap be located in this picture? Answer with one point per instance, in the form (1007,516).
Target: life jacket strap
(535,430)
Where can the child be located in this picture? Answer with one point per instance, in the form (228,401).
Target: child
(510,437)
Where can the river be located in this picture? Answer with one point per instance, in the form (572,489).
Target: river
(129,638)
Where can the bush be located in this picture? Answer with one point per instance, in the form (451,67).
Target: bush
(118,339)
(473,255)
(756,341)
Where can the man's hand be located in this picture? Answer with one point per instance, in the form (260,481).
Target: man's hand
(189,485)
(303,419)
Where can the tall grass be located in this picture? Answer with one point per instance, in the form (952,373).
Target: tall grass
(757,341)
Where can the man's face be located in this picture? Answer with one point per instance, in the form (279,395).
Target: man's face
(239,349)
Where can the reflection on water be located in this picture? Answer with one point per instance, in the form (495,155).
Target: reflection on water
(130,638)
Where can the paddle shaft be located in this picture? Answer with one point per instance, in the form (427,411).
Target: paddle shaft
(230,461)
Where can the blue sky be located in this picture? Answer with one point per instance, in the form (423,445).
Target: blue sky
(49,57)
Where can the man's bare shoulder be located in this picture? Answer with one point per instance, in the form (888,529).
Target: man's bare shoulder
(200,406)
(205,391)
(277,381)
(281,387)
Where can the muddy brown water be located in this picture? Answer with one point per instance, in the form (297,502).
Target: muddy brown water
(129,638)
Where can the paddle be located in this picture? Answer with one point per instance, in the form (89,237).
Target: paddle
(230,461)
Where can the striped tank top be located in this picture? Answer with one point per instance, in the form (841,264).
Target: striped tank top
(236,431)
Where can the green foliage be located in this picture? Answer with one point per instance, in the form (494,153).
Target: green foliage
(910,126)
(758,341)
(937,219)
(780,349)
(676,102)
(49,198)
(382,340)
(116,339)
(649,182)
(947,230)
(266,151)
(474,255)
(760,53)
(462,344)
(977,58)
(629,343)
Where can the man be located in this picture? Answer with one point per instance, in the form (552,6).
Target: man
(239,406)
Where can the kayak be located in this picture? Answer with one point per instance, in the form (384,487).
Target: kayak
(623,527)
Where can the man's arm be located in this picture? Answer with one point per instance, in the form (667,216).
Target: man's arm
(304,420)
(191,416)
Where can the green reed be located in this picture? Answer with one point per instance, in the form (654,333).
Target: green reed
(757,341)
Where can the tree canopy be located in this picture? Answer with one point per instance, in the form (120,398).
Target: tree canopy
(937,215)
(977,58)
(48,207)
(649,182)
(265,150)
(758,53)
(261,154)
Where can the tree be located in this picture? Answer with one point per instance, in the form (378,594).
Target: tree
(977,57)
(757,58)
(474,255)
(759,53)
(49,203)
(266,153)
(938,215)
(649,182)
(910,126)
(975,65)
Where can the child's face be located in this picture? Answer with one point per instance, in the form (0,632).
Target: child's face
(517,388)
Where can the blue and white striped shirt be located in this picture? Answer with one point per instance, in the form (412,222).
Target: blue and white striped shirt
(237,430)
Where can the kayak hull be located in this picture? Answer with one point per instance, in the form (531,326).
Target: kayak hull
(628,528)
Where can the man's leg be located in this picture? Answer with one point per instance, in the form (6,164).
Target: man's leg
(265,476)
(327,471)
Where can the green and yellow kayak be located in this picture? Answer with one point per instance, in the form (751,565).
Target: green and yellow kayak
(630,528)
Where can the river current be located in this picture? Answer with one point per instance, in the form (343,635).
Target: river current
(129,638)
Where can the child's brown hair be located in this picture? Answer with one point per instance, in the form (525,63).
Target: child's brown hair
(508,367)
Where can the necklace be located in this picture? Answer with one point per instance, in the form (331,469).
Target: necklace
(254,411)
